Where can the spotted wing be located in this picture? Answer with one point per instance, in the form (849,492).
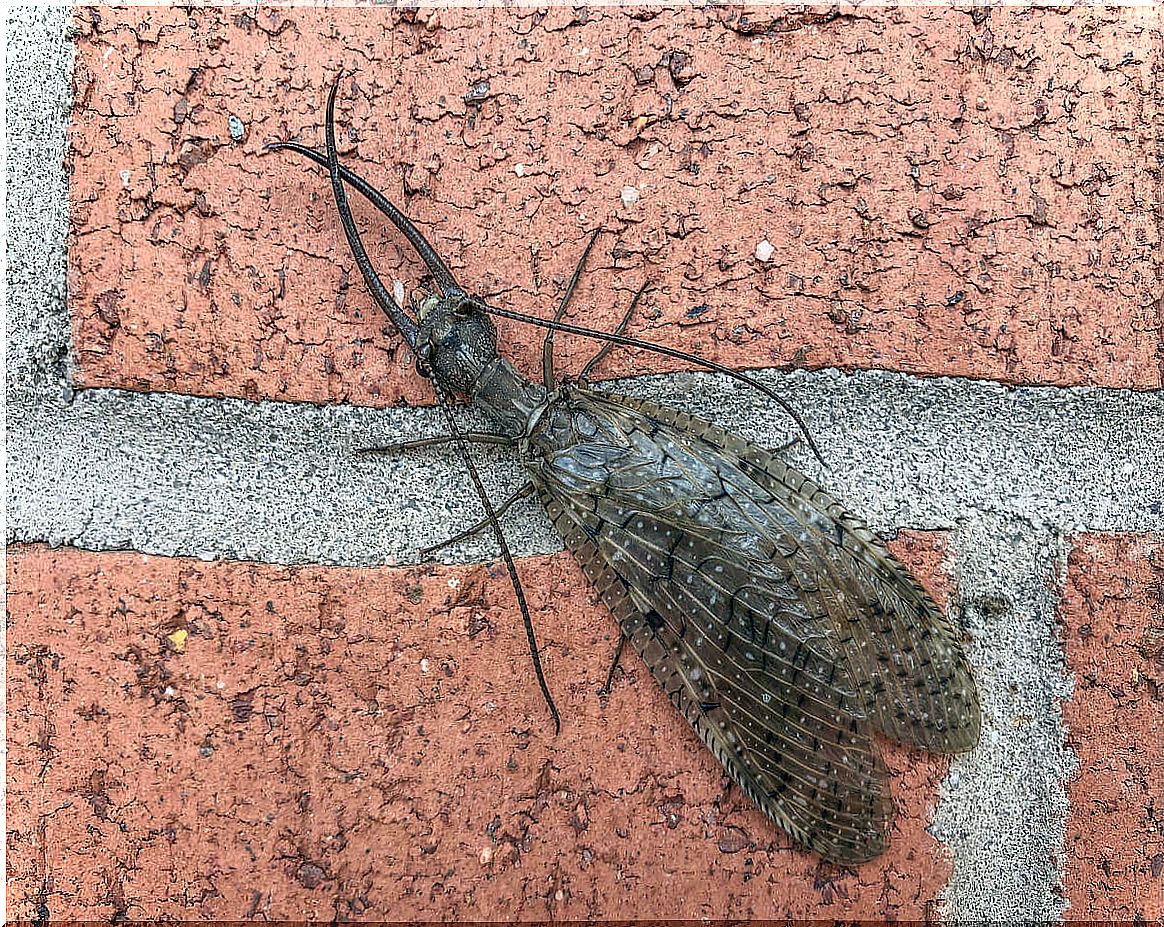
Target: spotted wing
(749,606)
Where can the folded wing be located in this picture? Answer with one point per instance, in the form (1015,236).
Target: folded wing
(776,622)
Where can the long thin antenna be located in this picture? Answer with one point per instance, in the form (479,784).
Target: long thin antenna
(437,267)
(405,325)
(388,303)
(628,342)
(377,199)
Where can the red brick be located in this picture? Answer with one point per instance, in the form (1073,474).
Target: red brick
(943,196)
(1113,626)
(369,744)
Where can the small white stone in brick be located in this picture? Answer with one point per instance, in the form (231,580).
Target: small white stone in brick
(764,251)
(398,292)
(519,169)
(630,196)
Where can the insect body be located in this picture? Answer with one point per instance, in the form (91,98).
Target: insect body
(775,621)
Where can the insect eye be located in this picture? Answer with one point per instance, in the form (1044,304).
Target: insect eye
(424,352)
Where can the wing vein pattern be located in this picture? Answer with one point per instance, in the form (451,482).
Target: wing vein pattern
(776,622)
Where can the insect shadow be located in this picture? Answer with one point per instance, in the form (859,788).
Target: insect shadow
(776,622)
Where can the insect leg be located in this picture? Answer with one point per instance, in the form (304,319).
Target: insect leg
(471,437)
(378,200)
(548,343)
(666,352)
(385,299)
(786,446)
(524,493)
(605,690)
(609,346)
(506,556)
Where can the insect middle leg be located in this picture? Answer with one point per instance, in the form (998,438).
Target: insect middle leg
(525,491)
(471,437)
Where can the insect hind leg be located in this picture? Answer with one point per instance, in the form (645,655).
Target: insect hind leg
(781,449)
(523,493)
(605,690)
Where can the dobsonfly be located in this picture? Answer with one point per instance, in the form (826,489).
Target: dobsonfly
(776,622)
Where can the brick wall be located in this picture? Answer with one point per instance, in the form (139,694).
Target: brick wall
(961,194)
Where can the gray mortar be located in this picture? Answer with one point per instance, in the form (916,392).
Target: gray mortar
(1007,603)
(281,483)
(1013,473)
(39,70)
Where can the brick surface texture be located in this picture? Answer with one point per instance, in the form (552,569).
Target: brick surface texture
(943,192)
(193,740)
(1113,629)
(961,193)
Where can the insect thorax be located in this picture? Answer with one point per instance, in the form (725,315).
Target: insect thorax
(507,398)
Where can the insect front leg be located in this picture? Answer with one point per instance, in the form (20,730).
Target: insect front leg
(548,341)
(523,493)
(606,348)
